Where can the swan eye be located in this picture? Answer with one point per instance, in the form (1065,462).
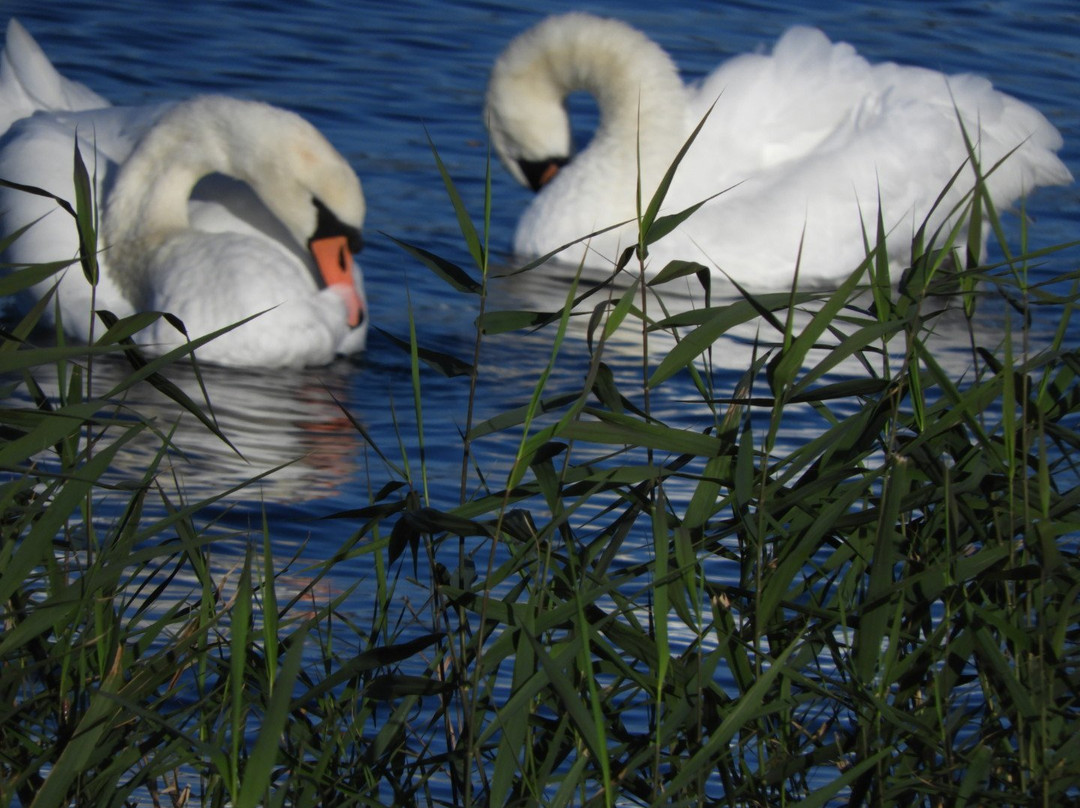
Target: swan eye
(329,225)
(540,172)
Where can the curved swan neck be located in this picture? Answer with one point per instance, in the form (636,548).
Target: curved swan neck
(632,79)
(148,201)
(637,87)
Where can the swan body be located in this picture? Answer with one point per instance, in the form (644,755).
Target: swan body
(212,209)
(797,148)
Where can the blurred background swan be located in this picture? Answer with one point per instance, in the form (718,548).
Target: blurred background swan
(214,209)
(801,146)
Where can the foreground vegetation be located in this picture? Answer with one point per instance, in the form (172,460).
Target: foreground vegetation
(885,614)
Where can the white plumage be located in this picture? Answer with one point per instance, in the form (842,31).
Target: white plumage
(209,208)
(800,144)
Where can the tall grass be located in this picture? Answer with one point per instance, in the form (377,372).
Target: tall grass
(885,613)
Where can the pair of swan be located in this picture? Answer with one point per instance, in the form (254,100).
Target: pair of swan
(802,145)
(214,209)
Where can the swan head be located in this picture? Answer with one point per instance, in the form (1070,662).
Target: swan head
(314,192)
(525,110)
(530,132)
(305,181)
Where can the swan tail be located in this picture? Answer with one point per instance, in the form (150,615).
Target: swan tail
(29,82)
(1005,130)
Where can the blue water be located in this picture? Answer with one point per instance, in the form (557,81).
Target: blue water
(380,80)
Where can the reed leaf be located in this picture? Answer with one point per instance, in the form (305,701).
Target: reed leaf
(451,273)
(444,363)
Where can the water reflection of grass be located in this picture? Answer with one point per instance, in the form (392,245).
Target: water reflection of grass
(884,612)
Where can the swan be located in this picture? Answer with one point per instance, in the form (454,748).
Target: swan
(794,155)
(212,209)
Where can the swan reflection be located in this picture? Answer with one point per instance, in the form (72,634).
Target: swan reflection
(286,425)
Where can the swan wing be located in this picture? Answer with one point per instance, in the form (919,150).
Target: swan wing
(811,138)
(29,82)
(38,151)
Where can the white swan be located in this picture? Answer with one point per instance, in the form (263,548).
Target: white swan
(802,142)
(214,209)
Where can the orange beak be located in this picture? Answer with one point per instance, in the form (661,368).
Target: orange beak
(334,260)
(538,173)
(549,173)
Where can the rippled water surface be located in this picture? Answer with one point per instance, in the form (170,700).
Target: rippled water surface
(380,79)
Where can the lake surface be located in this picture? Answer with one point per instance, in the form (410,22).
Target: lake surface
(380,79)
